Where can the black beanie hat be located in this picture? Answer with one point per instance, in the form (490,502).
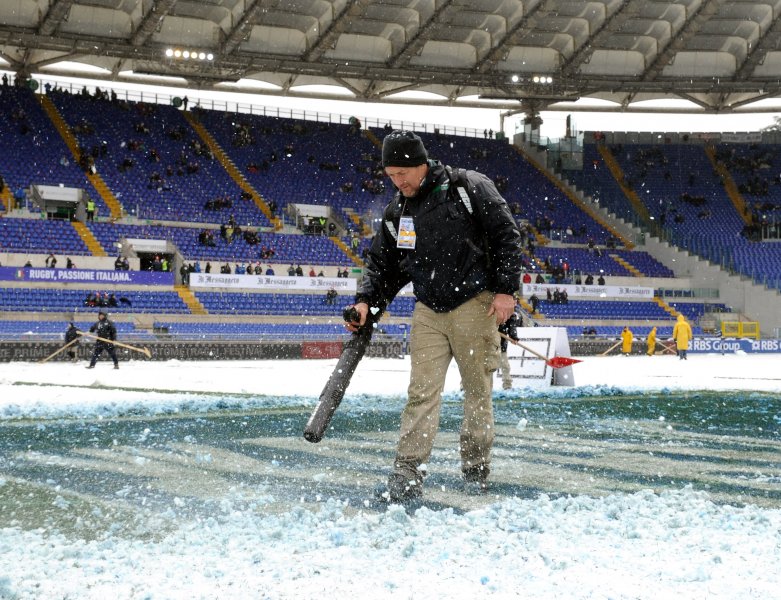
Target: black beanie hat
(403,149)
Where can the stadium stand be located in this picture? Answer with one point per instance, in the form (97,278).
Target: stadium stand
(336,165)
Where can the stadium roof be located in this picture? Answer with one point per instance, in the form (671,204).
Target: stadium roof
(526,55)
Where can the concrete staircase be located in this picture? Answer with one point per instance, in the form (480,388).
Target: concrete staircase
(567,191)
(5,198)
(344,248)
(231,169)
(190,300)
(618,174)
(70,140)
(729,185)
(672,312)
(89,240)
(363,227)
(624,263)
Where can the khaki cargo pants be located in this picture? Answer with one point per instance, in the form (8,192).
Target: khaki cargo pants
(470,336)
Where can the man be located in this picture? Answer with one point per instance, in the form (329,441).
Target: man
(71,335)
(103,328)
(627,337)
(682,333)
(510,329)
(651,342)
(460,247)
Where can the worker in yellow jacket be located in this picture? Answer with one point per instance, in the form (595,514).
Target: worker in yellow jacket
(682,333)
(651,342)
(626,341)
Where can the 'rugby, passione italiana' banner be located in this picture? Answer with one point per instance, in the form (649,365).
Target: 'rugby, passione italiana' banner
(89,276)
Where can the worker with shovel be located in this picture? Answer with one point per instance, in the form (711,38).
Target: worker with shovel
(103,329)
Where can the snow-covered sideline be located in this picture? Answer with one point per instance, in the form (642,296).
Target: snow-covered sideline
(644,545)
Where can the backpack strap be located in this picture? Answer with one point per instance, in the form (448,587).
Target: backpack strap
(458,181)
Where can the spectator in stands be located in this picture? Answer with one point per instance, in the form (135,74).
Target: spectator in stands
(507,329)
(184,273)
(527,278)
(51,261)
(207,268)
(312,272)
(240,269)
(626,341)
(601,279)
(291,271)
(270,271)
(19,197)
(330,296)
(225,269)
(321,273)
(345,273)
(299,271)
(651,342)
(589,279)
(461,299)
(28,264)
(534,301)
(90,210)
(69,263)
(539,278)
(106,332)
(682,333)
(125,264)
(71,335)
(112,300)
(118,264)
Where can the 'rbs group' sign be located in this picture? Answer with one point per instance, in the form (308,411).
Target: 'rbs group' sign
(724,345)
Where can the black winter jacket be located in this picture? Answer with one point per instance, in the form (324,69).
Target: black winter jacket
(104,329)
(71,334)
(457,255)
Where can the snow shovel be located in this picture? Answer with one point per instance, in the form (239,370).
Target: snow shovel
(144,351)
(613,347)
(556,362)
(53,354)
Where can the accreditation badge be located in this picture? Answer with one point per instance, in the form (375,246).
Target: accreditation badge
(406,239)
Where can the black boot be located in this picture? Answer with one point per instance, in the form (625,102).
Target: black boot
(401,488)
(476,480)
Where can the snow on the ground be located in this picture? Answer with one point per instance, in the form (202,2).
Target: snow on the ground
(674,544)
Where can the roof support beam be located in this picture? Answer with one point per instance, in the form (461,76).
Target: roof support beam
(353,9)
(243,28)
(415,44)
(706,10)
(511,38)
(769,41)
(596,40)
(56,15)
(152,19)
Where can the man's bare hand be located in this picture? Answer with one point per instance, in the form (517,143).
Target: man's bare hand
(502,307)
(363,310)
